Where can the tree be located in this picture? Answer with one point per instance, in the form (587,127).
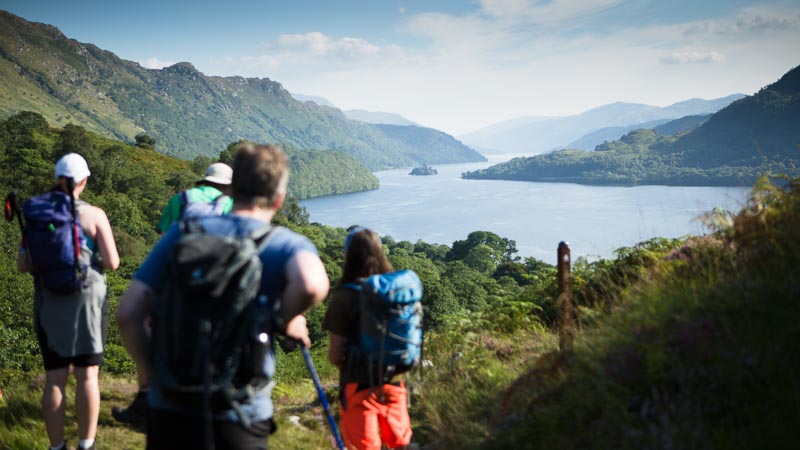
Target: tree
(502,249)
(144,140)
(226,156)
(200,164)
(74,139)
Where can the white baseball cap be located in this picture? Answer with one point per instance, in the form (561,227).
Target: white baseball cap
(219,173)
(72,165)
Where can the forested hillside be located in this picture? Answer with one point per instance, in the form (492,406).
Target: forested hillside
(421,138)
(671,349)
(187,112)
(132,184)
(754,135)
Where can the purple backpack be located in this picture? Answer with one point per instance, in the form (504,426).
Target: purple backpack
(53,237)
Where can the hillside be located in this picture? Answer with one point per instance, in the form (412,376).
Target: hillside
(421,138)
(683,124)
(541,134)
(591,140)
(671,351)
(29,144)
(377,117)
(682,357)
(187,112)
(754,135)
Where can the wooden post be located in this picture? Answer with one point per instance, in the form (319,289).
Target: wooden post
(565,305)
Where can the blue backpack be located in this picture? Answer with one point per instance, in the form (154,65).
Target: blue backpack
(195,210)
(390,336)
(53,236)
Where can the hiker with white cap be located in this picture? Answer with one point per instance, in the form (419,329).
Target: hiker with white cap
(206,190)
(67,243)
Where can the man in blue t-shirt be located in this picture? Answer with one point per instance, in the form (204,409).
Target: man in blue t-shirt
(292,273)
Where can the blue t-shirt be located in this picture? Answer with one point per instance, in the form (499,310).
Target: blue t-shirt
(283,244)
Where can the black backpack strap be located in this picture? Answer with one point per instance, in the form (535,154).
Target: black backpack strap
(261,235)
(191,225)
(184,201)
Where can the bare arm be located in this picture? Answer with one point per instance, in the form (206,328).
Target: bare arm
(306,286)
(95,223)
(105,241)
(135,306)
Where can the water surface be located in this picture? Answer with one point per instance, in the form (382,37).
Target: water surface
(595,220)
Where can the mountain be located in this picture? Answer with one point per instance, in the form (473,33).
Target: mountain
(321,101)
(661,126)
(377,117)
(752,136)
(421,138)
(187,112)
(591,140)
(683,124)
(538,135)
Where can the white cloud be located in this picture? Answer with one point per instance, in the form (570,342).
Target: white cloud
(156,63)
(750,21)
(692,57)
(318,45)
(543,12)
(512,58)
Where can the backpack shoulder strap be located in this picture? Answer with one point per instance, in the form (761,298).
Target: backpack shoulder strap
(184,197)
(191,225)
(260,235)
(221,199)
(352,286)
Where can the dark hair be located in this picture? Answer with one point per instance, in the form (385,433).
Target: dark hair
(260,172)
(364,256)
(65,184)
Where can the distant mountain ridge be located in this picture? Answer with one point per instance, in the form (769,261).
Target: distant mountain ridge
(591,140)
(188,113)
(377,117)
(538,135)
(683,124)
(754,135)
(321,101)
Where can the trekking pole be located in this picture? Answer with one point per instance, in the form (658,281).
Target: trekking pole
(322,398)
(11,209)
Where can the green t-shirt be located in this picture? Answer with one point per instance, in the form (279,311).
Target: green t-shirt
(198,194)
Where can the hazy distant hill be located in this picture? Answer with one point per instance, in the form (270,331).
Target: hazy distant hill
(662,126)
(361,115)
(683,124)
(537,135)
(321,101)
(427,138)
(754,135)
(591,140)
(187,112)
(377,117)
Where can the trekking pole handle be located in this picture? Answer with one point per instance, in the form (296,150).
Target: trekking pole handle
(322,397)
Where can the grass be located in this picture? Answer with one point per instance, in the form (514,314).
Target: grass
(469,372)
(700,352)
(697,350)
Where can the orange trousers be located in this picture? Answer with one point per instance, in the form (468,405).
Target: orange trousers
(367,422)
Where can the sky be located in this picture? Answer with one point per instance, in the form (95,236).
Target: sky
(456,66)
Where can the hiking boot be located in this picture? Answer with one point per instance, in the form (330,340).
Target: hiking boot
(136,413)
